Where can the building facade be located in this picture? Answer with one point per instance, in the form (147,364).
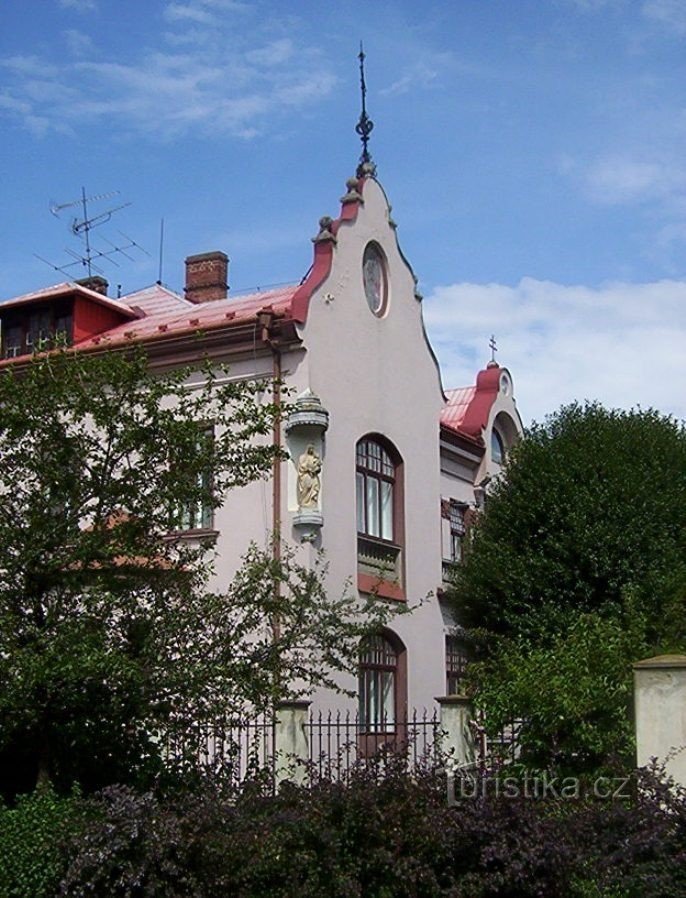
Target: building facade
(385,471)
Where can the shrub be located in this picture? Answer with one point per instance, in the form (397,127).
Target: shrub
(32,834)
(390,836)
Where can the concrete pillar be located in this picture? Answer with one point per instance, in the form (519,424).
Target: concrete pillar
(291,744)
(457,737)
(660,706)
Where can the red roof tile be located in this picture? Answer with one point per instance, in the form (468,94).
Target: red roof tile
(467,408)
(456,407)
(156,299)
(69,288)
(178,316)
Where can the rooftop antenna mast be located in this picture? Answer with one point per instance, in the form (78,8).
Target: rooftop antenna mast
(365,125)
(82,227)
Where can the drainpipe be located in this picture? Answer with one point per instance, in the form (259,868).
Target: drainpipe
(266,320)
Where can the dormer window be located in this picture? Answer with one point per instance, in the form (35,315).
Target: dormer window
(12,342)
(36,328)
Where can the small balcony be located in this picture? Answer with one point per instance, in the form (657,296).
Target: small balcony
(379,568)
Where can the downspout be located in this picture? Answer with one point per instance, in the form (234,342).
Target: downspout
(266,320)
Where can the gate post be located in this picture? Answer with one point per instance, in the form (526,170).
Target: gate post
(660,713)
(291,744)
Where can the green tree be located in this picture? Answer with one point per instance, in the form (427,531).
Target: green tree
(577,568)
(109,631)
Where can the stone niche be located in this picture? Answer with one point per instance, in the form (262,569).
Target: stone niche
(305,429)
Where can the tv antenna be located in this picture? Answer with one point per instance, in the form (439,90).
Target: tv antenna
(81,226)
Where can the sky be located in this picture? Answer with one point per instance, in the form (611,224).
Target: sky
(534,152)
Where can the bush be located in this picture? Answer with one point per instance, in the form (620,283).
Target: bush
(381,837)
(32,838)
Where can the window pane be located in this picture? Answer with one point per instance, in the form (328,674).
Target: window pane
(386,510)
(455,661)
(377,685)
(13,339)
(373,523)
(387,700)
(497,449)
(360,503)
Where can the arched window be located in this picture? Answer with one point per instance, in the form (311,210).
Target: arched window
(497,447)
(382,683)
(376,480)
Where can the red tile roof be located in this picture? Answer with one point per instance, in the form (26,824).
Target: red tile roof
(456,406)
(467,409)
(169,314)
(157,299)
(156,311)
(72,289)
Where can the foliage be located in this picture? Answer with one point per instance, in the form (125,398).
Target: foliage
(109,628)
(573,693)
(592,502)
(577,569)
(382,836)
(32,839)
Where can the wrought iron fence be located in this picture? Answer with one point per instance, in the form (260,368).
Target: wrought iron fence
(340,742)
(337,743)
(496,750)
(234,748)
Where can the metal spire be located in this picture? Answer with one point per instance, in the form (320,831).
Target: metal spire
(365,125)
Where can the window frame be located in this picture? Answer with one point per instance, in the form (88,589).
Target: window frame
(455,663)
(383,478)
(380,559)
(36,328)
(198,517)
(374,727)
(458,530)
(498,450)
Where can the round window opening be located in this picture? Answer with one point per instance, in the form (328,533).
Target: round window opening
(375,279)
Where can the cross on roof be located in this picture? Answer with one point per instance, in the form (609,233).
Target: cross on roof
(493,347)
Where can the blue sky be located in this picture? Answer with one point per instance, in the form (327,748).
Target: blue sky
(534,152)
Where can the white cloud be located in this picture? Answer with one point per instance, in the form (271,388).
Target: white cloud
(418,75)
(671,13)
(29,66)
(180,12)
(595,5)
(79,5)
(273,53)
(202,12)
(617,179)
(620,343)
(241,92)
(655,182)
(79,44)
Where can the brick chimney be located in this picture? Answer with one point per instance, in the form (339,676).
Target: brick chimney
(95,282)
(207,277)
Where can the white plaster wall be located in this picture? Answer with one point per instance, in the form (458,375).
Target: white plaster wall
(660,707)
(506,405)
(378,375)
(247,514)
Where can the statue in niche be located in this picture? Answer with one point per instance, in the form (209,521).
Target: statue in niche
(309,484)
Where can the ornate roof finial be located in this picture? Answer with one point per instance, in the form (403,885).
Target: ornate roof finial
(493,346)
(365,126)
